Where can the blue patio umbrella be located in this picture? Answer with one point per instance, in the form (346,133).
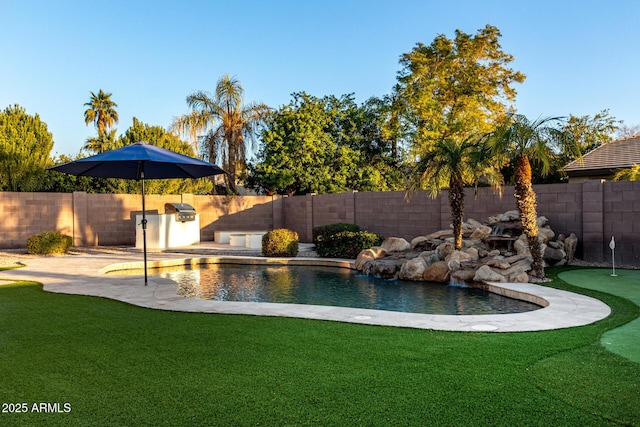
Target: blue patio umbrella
(140,161)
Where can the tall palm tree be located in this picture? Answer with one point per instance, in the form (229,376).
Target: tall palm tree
(224,125)
(630,174)
(101,111)
(453,164)
(521,140)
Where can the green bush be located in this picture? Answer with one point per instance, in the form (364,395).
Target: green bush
(325,231)
(49,242)
(280,242)
(347,244)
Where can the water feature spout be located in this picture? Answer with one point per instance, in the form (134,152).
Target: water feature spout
(457,283)
(498,230)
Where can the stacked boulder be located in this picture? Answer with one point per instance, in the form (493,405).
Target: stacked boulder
(493,251)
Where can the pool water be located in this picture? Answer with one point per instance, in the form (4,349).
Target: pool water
(334,287)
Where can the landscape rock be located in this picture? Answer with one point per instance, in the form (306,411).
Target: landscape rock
(445,249)
(368,255)
(440,234)
(570,244)
(430,257)
(553,255)
(458,256)
(545,234)
(485,274)
(516,258)
(413,269)
(395,244)
(420,241)
(437,272)
(470,225)
(510,216)
(518,267)
(521,246)
(481,232)
(464,275)
(383,267)
(472,252)
(542,221)
(498,263)
(555,244)
(519,278)
(493,251)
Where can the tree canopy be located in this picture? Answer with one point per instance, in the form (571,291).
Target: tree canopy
(101,111)
(25,147)
(137,132)
(324,145)
(224,126)
(590,132)
(456,88)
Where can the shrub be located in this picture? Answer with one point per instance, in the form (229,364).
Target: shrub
(280,242)
(325,231)
(49,242)
(347,244)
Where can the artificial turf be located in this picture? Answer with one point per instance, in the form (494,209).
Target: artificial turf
(117,364)
(624,340)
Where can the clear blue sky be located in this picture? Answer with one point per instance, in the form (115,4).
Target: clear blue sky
(580,57)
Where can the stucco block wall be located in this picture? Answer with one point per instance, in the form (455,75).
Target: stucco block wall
(221,213)
(391,214)
(594,211)
(26,214)
(621,219)
(298,215)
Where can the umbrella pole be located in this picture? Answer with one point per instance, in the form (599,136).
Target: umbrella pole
(144,229)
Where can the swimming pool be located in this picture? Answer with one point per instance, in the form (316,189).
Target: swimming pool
(330,286)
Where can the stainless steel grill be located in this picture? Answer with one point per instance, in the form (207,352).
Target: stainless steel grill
(183,211)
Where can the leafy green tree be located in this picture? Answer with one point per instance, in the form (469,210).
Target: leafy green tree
(300,152)
(25,146)
(137,132)
(520,140)
(225,126)
(324,145)
(455,88)
(65,183)
(157,135)
(454,165)
(101,111)
(590,132)
(381,142)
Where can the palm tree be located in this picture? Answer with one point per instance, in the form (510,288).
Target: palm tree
(105,141)
(521,140)
(630,174)
(101,111)
(453,164)
(228,125)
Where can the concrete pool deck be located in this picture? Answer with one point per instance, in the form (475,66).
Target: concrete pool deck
(86,275)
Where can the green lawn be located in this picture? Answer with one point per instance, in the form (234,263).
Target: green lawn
(625,340)
(117,364)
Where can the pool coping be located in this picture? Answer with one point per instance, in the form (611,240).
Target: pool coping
(87,275)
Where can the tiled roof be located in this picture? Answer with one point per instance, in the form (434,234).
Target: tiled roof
(622,153)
